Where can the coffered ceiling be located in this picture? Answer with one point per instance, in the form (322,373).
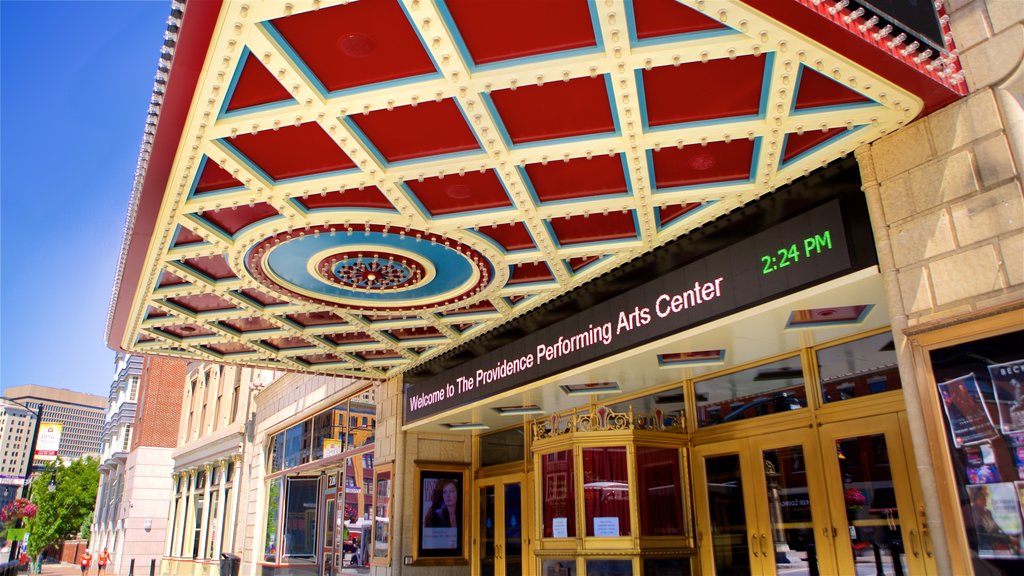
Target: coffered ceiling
(357,187)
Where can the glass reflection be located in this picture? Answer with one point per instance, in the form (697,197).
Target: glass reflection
(758,391)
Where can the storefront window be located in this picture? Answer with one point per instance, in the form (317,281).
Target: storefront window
(606,491)
(502,447)
(859,368)
(329,432)
(559,495)
(660,493)
(658,566)
(558,567)
(296,445)
(275,453)
(300,518)
(382,514)
(273,513)
(766,389)
(362,422)
(981,389)
(609,567)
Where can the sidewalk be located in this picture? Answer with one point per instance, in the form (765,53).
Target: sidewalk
(68,570)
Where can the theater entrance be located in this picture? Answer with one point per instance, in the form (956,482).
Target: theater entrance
(500,533)
(832,498)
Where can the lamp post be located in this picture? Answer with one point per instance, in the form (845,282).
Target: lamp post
(31,455)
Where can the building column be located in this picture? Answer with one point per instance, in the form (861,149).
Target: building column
(171,513)
(97,516)
(204,522)
(920,442)
(221,520)
(189,503)
(237,495)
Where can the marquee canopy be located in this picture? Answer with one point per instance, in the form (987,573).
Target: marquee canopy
(357,187)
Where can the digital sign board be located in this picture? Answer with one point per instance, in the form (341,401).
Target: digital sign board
(795,254)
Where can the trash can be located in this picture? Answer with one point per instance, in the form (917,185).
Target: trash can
(229,565)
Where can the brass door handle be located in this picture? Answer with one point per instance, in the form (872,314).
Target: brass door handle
(764,551)
(926,539)
(913,544)
(753,544)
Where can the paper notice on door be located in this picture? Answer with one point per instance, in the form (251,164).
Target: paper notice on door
(606,526)
(560,527)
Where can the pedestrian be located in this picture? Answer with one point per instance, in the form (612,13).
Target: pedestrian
(86,560)
(101,562)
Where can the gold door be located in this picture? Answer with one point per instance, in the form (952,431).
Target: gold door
(879,525)
(499,541)
(761,506)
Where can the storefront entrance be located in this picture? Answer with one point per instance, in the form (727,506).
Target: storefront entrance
(830,498)
(499,539)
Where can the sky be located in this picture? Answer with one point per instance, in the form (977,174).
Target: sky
(75,85)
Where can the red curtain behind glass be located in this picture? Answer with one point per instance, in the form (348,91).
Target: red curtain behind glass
(606,487)
(661,500)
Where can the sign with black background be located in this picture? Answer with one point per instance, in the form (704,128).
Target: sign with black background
(793,255)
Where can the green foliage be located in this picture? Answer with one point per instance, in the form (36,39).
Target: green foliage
(62,512)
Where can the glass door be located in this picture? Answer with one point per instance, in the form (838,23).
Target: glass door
(761,506)
(878,529)
(499,541)
(327,559)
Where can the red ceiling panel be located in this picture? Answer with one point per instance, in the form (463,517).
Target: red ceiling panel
(315,319)
(356,44)
(668,17)
(481,306)
(578,178)
(292,151)
(350,338)
(225,348)
(799,143)
(261,298)
(530,272)
(498,30)
(233,219)
(696,164)
(215,267)
(253,324)
(696,91)
(255,86)
(427,129)
(669,214)
(555,110)
(186,330)
(453,193)
(818,90)
(214,178)
(184,237)
(579,262)
(286,343)
(368,197)
(321,359)
(202,303)
(595,228)
(514,236)
(169,279)
(152,312)
(417,333)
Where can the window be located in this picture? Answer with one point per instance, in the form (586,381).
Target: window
(234,400)
(125,442)
(858,368)
(766,389)
(296,445)
(300,518)
(558,495)
(133,387)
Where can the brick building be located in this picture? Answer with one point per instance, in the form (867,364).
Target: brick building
(139,437)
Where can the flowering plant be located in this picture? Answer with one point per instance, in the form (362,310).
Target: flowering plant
(17,509)
(854,499)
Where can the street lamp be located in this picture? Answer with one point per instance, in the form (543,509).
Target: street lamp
(31,450)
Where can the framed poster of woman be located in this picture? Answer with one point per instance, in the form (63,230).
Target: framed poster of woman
(441,512)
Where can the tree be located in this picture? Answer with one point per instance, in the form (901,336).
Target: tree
(63,511)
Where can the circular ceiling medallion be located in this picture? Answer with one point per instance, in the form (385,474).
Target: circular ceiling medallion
(355,45)
(458,191)
(369,269)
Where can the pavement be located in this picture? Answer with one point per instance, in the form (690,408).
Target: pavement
(67,570)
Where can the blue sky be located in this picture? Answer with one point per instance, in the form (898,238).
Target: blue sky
(75,84)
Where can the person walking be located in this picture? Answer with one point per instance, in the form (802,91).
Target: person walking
(102,561)
(86,561)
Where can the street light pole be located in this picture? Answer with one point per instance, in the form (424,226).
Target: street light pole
(31,457)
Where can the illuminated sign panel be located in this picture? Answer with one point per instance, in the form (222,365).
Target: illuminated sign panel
(793,255)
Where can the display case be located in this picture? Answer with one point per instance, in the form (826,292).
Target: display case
(613,493)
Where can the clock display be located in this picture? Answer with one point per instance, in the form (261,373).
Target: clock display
(790,255)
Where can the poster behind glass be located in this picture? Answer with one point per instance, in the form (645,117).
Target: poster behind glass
(980,388)
(441,503)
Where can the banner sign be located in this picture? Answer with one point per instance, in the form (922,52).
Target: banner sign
(49,441)
(793,255)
